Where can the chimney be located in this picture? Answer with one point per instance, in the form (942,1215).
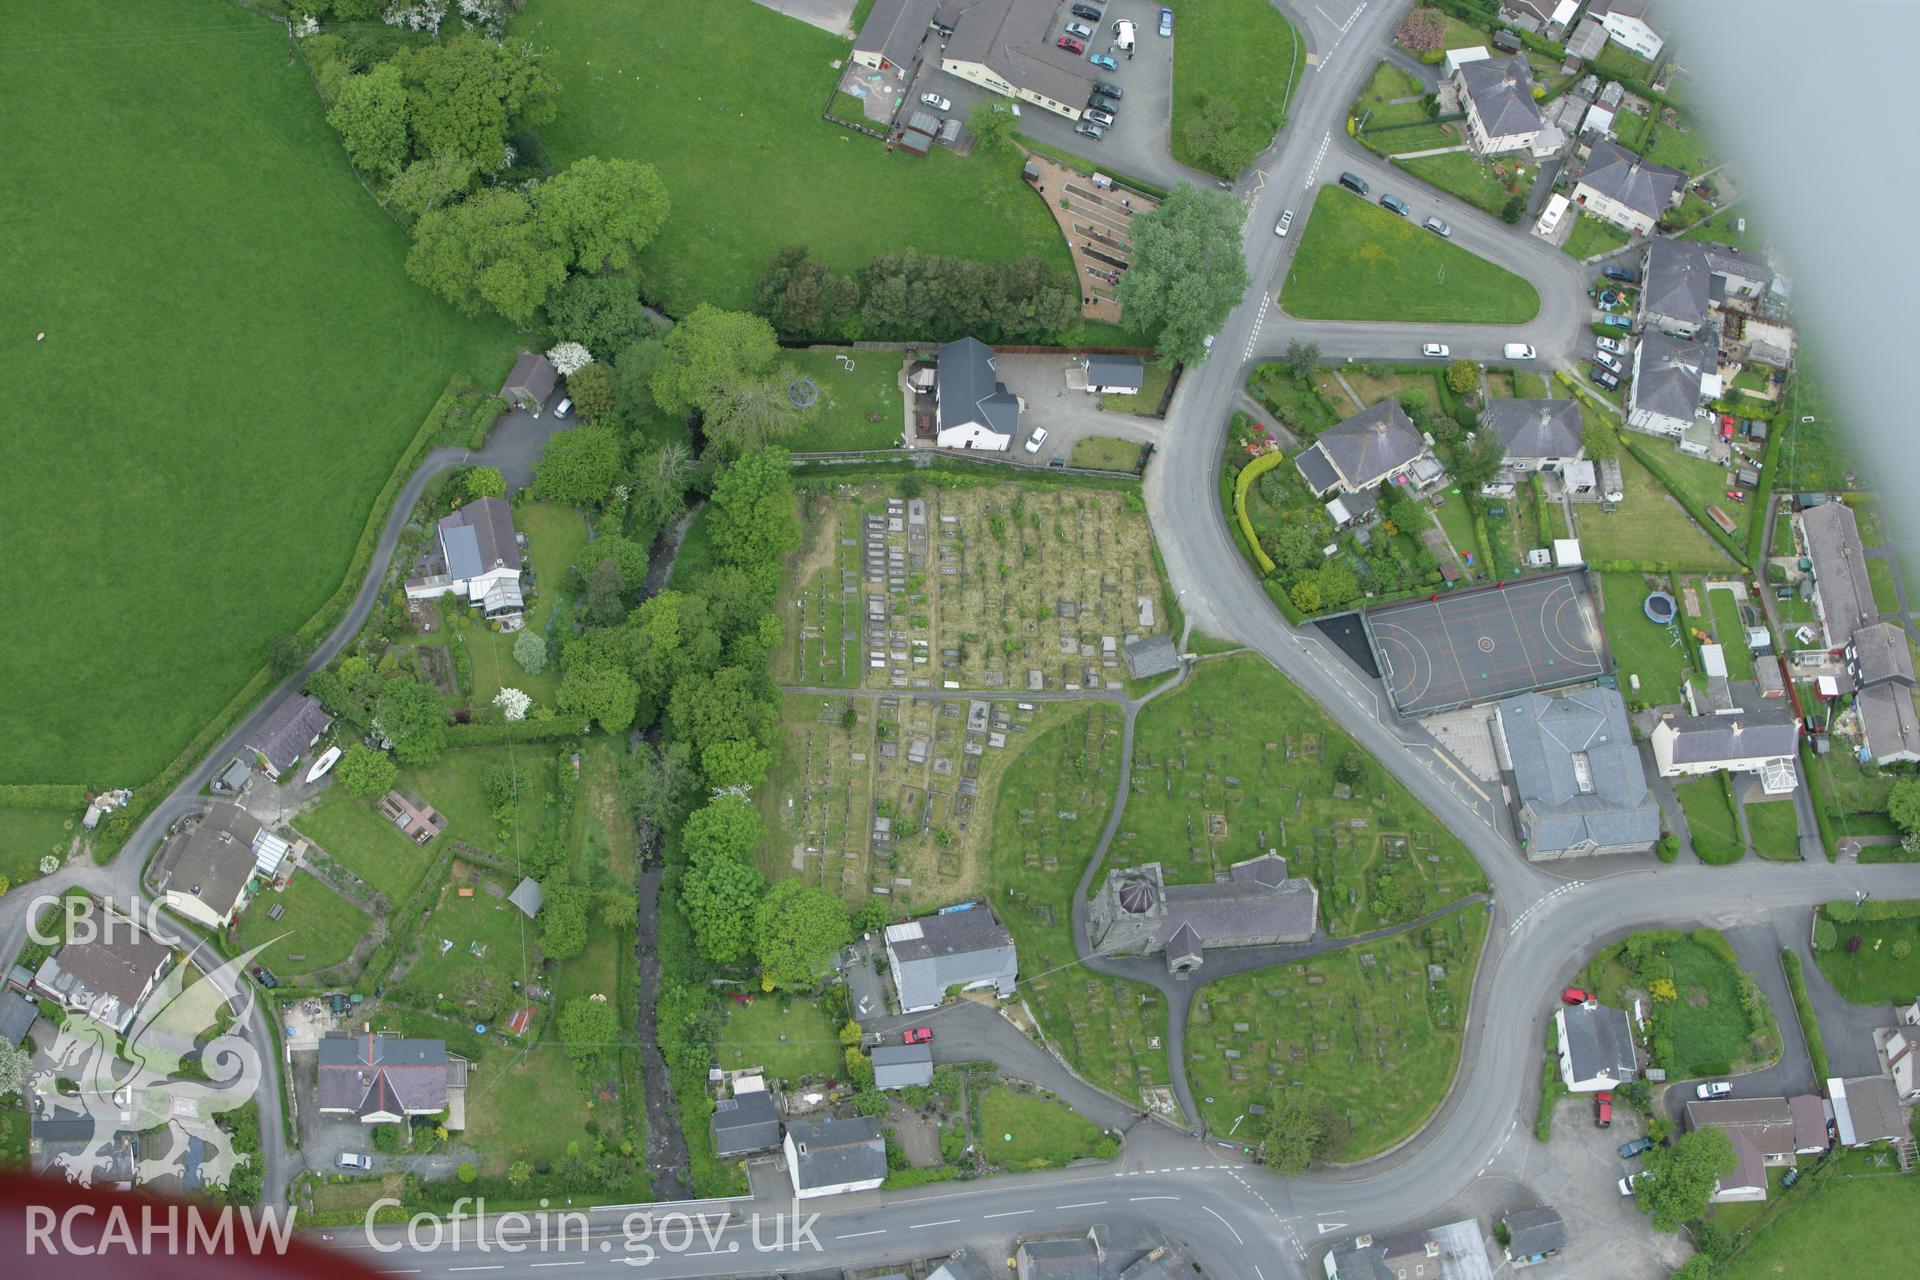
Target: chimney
(1433,1248)
(1364,1242)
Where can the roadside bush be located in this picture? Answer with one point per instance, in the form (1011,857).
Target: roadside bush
(1825,936)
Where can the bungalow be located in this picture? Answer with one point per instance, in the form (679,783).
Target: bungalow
(1671,378)
(1536,435)
(1762,742)
(1497,96)
(1626,24)
(382,1079)
(1685,279)
(479,559)
(964,948)
(974,408)
(744,1124)
(206,870)
(1629,192)
(107,978)
(1888,724)
(902,1066)
(531,382)
(293,726)
(1115,375)
(893,33)
(831,1156)
(1596,1047)
(1765,1133)
(1007,46)
(1866,1110)
(1369,449)
(415,819)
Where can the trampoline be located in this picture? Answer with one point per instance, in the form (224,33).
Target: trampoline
(1660,607)
(803,393)
(1484,645)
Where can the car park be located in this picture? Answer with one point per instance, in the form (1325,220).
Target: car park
(1099,117)
(1603,1110)
(1086,11)
(1071,45)
(1713,1089)
(1519,351)
(1435,350)
(1166,21)
(354,1160)
(1107,89)
(1285,224)
(1439,228)
(935,101)
(1080,29)
(1093,131)
(921,1035)
(1625,275)
(1574,995)
(1104,62)
(1604,378)
(1606,360)
(1638,1147)
(1101,102)
(1036,440)
(1611,344)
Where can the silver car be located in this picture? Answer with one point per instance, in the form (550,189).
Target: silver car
(1080,29)
(1102,118)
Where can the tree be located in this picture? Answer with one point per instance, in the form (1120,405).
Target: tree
(727,705)
(467,1172)
(1188,270)
(484,482)
(467,95)
(1903,804)
(513,703)
(657,488)
(746,416)
(286,654)
(1294,1132)
(1351,768)
(1215,139)
(488,251)
(1337,585)
(1695,1268)
(719,895)
(1463,376)
(1422,30)
(628,558)
(409,714)
(992,126)
(604,211)
(726,829)
(1479,461)
(500,786)
(753,522)
(603,313)
(530,651)
(619,908)
(604,694)
(589,1028)
(1305,595)
(1679,1178)
(1293,546)
(1301,358)
(802,298)
(14,1064)
(425,185)
(591,390)
(563,921)
(362,771)
(370,114)
(1599,441)
(578,467)
(518,1172)
(870,1102)
(709,350)
(1514,209)
(797,930)
(606,602)
(569,357)
(736,764)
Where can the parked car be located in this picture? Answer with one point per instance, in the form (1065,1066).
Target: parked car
(353,1160)
(1439,228)
(1166,21)
(1103,61)
(1603,378)
(1713,1089)
(1354,183)
(564,408)
(1034,442)
(1617,322)
(1638,1147)
(1603,1110)
(1396,204)
(922,1035)
(1123,31)
(1611,344)
(1093,131)
(1071,45)
(1056,462)
(1080,29)
(1100,117)
(1726,427)
(1435,350)
(1519,351)
(264,977)
(1107,89)
(1101,102)
(1738,495)
(1574,995)
(1792,1176)
(1086,11)
(1285,224)
(1625,275)
(935,101)
(1607,361)
(1626,1183)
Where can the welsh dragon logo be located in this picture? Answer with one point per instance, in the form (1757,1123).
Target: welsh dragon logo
(146,1089)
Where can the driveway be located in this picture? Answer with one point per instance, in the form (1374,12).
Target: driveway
(1067,414)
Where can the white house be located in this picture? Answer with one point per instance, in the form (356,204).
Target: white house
(1762,742)
(107,978)
(1626,25)
(1497,95)
(830,1157)
(893,33)
(1595,1047)
(973,408)
(479,560)
(1007,46)
(1631,193)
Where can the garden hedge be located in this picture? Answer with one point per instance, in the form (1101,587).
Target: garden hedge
(1248,474)
(480,735)
(1803,1010)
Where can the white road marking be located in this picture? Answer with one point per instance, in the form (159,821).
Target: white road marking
(558,1264)
(495,1267)
(1327,57)
(1318,156)
(857,1235)
(1228,1225)
(1084,1204)
(920,1226)
(1324,1227)
(1131,1199)
(1011,1213)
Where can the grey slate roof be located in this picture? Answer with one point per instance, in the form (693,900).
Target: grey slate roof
(895,28)
(833,1151)
(1872,1111)
(1106,1251)
(1316,468)
(959,948)
(1502,92)
(1532,1232)
(365,1074)
(1621,175)
(1887,721)
(212,861)
(1766,1122)
(1881,652)
(897,1066)
(1747,735)
(1587,40)
(1114,371)
(970,390)
(528,896)
(1535,428)
(51,1138)
(1546,738)
(1370,444)
(1839,570)
(489,543)
(964,1265)
(17,1014)
(109,974)
(297,721)
(1678,282)
(1260,904)
(1015,39)
(1667,373)
(533,378)
(1600,1042)
(1150,656)
(745,1123)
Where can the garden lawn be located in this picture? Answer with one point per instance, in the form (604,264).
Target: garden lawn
(321,926)
(1154,377)
(1106,453)
(1475,181)
(788,1044)
(557,540)
(1704,482)
(1732,634)
(725,100)
(451,784)
(354,834)
(1688,150)
(1837,1226)
(229,331)
(1715,837)
(840,416)
(1333,1038)
(1591,235)
(1358,262)
(1773,828)
(1630,128)
(28,835)
(1018,1128)
(1239,718)
(1618,60)
(526,1107)
(506,938)
(1400,139)
(1377,101)
(1856,794)
(1292,401)
(1880,575)
(1242,51)
(1724,228)
(1874,974)
(1649,527)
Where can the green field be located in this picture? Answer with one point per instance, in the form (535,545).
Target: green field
(1020,1129)
(1237,761)
(1707,1022)
(355,835)
(1774,829)
(28,835)
(1873,974)
(1106,453)
(1357,261)
(1241,50)
(1716,839)
(1591,235)
(322,926)
(1844,1225)
(228,332)
(1362,1031)
(451,784)
(788,1043)
(725,100)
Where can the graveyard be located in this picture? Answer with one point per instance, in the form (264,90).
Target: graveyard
(1369,1035)
(1237,761)
(1017,586)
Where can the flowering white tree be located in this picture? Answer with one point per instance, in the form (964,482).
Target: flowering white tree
(513,702)
(307,26)
(420,15)
(570,358)
(490,14)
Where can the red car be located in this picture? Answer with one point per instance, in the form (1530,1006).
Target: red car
(1603,1110)
(1071,45)
(1574,995)
(1726,427)
(1738,495)
(919,1035)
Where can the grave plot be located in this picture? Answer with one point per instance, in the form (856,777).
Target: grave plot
(817,797)
(1237,761)
(824,616)
(1368,1036)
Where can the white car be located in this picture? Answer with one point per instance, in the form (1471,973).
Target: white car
(1207,341)
(935,101)
(564,408)
(1607,361)
(1435,351)
(1614,345)
(348,1160)
(1519,351)
(1713,1089)
(1036,440)
(1285,224)
(1626,1184)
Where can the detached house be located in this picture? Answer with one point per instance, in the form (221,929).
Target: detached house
(1536,435)
(973,408)
(382,1080)
(1371,448)
(293,726)
(968,949)
(1627,191)
(478,560)
(1762,742)
(105,979)
(1626,24)
(831,1156)
(1596,1047)
(1672,377)
(1686,279)
(1765,1133)
(205,871)
(1497,96)
(531,382)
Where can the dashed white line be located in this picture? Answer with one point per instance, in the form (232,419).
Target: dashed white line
(495,1267)
(1011,1213)
(580,1263)
(856,1235)
(1132,1199)
(1084,1204)
(921,1226)
(1228,1225)
(1314,168)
